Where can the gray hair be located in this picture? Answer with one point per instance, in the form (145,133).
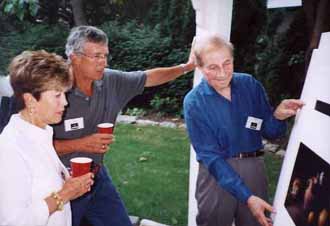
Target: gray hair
(210,42)
(82,34)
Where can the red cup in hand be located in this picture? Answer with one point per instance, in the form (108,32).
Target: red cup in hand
(80,166)
(105,128)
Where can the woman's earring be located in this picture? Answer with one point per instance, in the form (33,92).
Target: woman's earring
(31,111)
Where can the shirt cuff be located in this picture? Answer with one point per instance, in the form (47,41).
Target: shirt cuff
(280,124)
(244,194)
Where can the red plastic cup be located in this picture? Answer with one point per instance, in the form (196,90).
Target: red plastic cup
(105,128)
(80,166)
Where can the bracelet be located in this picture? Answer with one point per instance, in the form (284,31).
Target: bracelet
(59,201)
(183,66)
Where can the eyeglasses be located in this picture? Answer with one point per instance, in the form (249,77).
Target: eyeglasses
(97,57)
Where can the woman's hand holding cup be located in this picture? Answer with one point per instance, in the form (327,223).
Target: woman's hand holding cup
(75,187)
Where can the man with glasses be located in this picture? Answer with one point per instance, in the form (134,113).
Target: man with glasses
(98,96)
(227,115)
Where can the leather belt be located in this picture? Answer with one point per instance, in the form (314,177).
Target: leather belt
(243,155)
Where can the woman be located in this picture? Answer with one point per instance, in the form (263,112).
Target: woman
(33,188)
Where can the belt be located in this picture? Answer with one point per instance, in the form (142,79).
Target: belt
(243,155)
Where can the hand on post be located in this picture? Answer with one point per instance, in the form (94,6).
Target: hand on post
(288,108)
(191,63)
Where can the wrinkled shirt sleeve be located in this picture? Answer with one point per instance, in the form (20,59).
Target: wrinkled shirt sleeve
(209,154)
(16,204)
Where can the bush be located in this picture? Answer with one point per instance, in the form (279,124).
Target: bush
(132,45)
(139,47)
(31,37)
(135,112)
(279,61)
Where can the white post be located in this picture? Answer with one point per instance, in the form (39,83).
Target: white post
(211,16)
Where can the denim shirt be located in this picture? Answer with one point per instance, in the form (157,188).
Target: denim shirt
(217,127)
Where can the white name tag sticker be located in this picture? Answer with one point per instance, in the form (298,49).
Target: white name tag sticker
(253,123)
(73,124)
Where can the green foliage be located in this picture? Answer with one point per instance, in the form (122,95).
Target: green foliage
(249,18)
(20,8)
(176,19)
(280,53)
(270,44)
(162,14)
(297,58)
(136,112)
(266,67)
(135,44)
(273,167)
(31,37)
(161,36)
(165,104)
(136,47)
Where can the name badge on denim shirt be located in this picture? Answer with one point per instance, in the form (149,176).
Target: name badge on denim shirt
(73,124)
(253,123)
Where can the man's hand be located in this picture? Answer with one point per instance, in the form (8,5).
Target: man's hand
(191,63)
(161,75)
(258,207)
(287,108)
(95,143)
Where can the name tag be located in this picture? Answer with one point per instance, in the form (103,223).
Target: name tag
(73,124)
(253,123)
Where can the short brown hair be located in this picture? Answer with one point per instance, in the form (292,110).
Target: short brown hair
(210,42)
(37,71)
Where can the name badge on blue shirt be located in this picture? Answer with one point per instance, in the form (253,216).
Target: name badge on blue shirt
(253,123)
(73,124)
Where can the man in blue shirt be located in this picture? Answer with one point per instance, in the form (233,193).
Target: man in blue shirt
(227,115)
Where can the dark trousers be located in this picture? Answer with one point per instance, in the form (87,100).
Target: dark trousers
(102,206)
(217,207)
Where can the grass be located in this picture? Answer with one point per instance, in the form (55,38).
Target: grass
(273,167)
(150,168)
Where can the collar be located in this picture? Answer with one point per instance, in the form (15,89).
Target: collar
(34,132)
(97,86)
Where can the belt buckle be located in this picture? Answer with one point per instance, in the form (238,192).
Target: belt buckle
(240,155)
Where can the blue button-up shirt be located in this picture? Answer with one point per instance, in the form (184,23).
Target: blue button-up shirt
(217,127)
